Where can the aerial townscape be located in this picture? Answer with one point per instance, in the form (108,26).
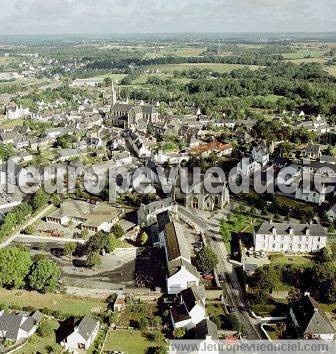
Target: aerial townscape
(158,188)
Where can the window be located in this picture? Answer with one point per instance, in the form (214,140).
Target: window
(282,238)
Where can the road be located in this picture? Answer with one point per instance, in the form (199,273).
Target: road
(232,290)
(31,220)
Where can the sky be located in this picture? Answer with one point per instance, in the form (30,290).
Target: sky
(165,16)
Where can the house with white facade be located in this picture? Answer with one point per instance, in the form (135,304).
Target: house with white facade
(247,166)
(81,336)
(15,112)
(310,321)
(331,213)
(289,237)
(190,309)
(17,327)
(261,155)
(147,213)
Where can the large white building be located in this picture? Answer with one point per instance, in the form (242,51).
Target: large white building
(181,273)
(289,237)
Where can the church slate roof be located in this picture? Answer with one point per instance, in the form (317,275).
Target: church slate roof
(176,242)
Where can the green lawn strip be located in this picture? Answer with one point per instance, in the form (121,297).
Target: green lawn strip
(70,305)
(130,342)
(297,260)
(223,68)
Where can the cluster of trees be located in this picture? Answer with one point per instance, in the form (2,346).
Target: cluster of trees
(19,270)
(99,243)
(64,141)
(21,212)
(318,279)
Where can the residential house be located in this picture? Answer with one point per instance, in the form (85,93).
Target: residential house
(289,237)
(190,309)
(18,327)
(147,213)
(81,334)
(216,147)
(313,151)
(260,155)
(310,320)
(331,213)
(15,112)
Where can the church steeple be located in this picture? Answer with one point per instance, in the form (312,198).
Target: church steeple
(113,95)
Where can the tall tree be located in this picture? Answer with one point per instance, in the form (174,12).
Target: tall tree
(44,276)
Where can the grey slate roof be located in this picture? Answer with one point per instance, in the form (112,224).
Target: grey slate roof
(299,229)
(311,317)
(86,327)
(11,323)
(206,328)
(192,296)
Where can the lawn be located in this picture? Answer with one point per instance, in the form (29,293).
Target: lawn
(130,342)
(331,70)
(177,52)
(37,344)
(222,68)
(297,260)
(10,123)
(114,77)
(301,54)
(68,304)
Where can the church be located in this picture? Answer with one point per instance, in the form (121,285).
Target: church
(130,116)
(200,198)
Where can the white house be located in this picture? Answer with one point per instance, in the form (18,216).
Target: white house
(15,112)
(17,327)
(260,154)
(190,309)
(289,237)
(310,320)
(247,166)
(147,213)
(331,213)
(82,335)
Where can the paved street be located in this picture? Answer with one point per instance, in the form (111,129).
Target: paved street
(232,290)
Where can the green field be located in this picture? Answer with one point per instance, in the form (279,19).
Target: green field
(130,342)
(331,70)
(56,302)
(308,60)
(222,68)
(5,123)
(179,52)
(114,77)
(301,54)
